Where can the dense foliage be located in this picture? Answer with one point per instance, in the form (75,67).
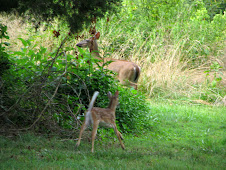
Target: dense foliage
(46,90)
(4,57)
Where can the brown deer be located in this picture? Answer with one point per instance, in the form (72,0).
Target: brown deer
(96,115)
(128,72)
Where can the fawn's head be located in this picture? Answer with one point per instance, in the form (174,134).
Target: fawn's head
(113,100)
(90,42)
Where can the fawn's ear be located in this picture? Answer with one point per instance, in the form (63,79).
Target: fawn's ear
(116,93)
(97,35)
(109,95)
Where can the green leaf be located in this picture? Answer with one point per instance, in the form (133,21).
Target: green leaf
(218,79)
(214,83)
(38,57)
(31,54)
(207,71)
(24,42)
(19,53)
(42,50)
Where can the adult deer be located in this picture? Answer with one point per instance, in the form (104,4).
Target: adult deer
(128,72)
(95,115)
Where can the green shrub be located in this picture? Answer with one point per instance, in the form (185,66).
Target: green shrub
(4,56)
(52,90)
(133,114)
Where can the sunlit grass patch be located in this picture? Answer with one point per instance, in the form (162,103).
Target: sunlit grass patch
(182,136)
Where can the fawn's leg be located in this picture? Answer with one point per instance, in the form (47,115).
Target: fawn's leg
(94,132)
(81,131)
(119,135)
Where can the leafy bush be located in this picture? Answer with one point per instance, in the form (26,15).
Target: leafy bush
(133,114)
(4,67)
(51,90)
(4,61)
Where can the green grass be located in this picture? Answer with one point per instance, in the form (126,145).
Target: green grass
(183,136)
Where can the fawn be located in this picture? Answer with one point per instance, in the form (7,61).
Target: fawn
(96,115)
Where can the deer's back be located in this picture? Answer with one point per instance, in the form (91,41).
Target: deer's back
(103,114)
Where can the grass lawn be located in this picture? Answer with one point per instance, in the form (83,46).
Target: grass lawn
(183,136)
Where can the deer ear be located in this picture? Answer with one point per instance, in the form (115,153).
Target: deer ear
(97,35)
(109,95)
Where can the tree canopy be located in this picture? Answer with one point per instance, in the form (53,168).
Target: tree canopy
(74,12)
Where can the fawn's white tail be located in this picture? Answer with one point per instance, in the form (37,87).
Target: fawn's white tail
(96,93)
(88,113)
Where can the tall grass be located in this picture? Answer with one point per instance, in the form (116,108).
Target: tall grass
(174,51)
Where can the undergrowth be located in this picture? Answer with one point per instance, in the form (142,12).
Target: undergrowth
(56,88)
